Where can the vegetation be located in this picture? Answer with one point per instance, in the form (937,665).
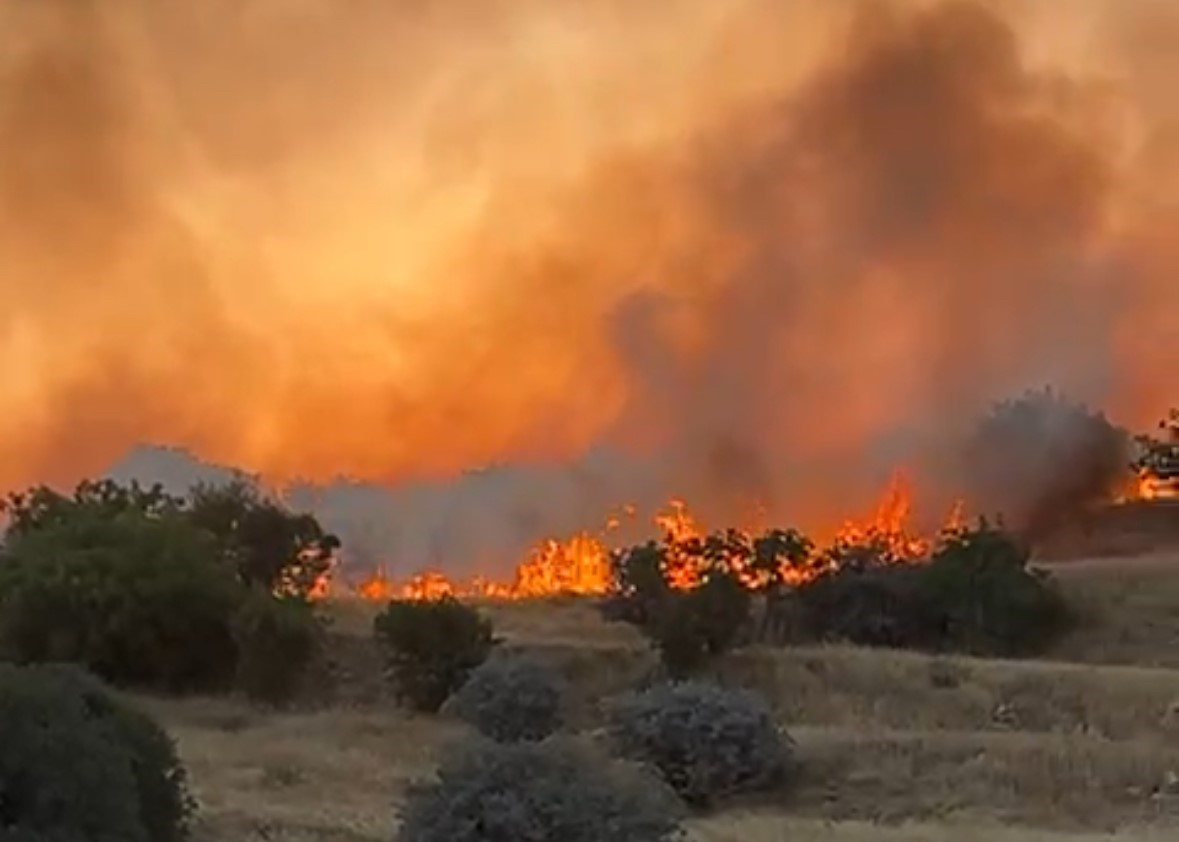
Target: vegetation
(511,698)
(431,647)
(536,791)
(78,765)
(152,590)
(268,546)
(1041,459)
(708,742)
(977,594)
(277,639)
(689,627)
(141,600)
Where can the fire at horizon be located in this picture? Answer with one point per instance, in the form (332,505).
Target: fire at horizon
(580,564)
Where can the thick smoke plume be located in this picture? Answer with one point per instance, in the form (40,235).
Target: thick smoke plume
(750,253)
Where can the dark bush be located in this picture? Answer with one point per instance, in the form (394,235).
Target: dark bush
(1041,460)
(690,628)
(639,587)
(985,598)
(511,698)
(431,647)
(140,599)
(537,791)
(268,545)
(76,765)
(976,594)
(277,638)
(707,741)
(869,605)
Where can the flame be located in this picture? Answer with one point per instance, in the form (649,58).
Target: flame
(580,564)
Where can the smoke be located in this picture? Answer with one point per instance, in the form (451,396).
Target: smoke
(747,253)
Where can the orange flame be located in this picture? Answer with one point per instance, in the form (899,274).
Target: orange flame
(581,564)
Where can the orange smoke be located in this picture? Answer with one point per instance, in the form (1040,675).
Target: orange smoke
(753,251)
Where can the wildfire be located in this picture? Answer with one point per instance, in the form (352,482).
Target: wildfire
(581,564)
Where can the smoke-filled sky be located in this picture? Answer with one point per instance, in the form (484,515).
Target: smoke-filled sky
(731,250)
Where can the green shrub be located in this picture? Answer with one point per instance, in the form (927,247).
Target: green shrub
(269,546)
(536,791)
(868,604)
(139,599)
(707,741)
(687,627)
(277,639)
(431,647)
(77,765)
(976,594)
(690,628)
(985,598)
(510,699)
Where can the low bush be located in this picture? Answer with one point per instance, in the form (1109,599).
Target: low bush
(511,699)
(76,764)
(431,647)
(687,625)
(277,639)
(976,594)
(537,791)
(690,628)
(140,599)
(986,599)
(707,741)
(869,605)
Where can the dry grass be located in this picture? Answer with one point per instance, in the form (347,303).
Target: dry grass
(897,747)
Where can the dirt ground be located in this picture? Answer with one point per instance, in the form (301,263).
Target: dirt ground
(896,747)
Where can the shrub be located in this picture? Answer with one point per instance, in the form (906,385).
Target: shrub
(869,605)
(707,742)
(268,545)
(277,640)
(536,791)
(690,628)
(976,594)
(687,626)
(1041,459)
(985,598)
(77,765)
(431,647)
(137,598)
(511,699)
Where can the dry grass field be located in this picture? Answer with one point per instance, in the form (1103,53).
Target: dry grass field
(897,747)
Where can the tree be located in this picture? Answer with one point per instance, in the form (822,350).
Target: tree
(41,507)
(267,544)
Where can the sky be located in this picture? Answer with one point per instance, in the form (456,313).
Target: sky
(737,251)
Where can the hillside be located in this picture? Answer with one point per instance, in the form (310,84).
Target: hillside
(896,746)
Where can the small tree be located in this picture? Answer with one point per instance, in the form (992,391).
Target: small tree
(138,597)
(268,545)
(693,627)
(431,647)
(986,598)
